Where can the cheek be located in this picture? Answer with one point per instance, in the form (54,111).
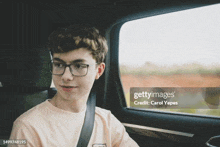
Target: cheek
(87,81)
(55,80)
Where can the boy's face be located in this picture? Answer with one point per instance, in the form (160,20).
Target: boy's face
(71,87)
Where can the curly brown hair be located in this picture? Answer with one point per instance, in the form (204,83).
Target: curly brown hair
(78,36)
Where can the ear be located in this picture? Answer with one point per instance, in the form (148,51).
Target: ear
(101,68)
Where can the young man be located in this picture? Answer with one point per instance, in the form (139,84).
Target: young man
(77,61)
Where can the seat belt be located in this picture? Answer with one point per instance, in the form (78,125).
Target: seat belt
(88,125)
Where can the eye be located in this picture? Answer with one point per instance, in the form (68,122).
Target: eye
(58,65)
(78,66)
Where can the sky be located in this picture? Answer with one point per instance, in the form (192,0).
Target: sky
(176,38)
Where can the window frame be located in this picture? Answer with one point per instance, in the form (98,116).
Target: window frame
(112,60)
(202,127)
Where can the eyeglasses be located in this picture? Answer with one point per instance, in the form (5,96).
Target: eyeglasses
(76,69)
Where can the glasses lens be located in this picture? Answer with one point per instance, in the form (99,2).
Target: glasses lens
(57,68)
(79,69)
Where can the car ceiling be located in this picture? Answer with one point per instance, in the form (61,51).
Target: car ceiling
(103,13)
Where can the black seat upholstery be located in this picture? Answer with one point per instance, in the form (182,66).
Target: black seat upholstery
(25,77)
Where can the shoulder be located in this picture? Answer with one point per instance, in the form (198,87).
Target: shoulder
(119,136)
(107,116)
(101,111)
(31,115)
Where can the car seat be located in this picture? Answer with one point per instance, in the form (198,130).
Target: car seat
(25,82)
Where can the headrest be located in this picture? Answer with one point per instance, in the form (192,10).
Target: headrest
(25,66)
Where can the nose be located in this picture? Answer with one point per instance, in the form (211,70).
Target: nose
(67,76)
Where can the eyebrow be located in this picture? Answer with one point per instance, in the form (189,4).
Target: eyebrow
(74,61)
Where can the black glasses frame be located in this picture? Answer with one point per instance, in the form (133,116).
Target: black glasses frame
(67,65)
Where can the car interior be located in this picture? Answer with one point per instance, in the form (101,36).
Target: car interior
(25,78)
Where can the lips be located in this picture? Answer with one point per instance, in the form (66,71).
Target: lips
(68,88)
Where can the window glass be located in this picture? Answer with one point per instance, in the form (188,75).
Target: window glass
(52,84)
(175,55)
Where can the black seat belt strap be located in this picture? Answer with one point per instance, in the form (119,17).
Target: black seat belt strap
(88,125)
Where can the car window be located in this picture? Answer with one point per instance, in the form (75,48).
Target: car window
(52,84)
(171,62)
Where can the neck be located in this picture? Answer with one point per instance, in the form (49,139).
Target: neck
(74,106)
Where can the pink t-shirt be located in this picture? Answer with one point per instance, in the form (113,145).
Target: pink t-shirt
(48,126)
